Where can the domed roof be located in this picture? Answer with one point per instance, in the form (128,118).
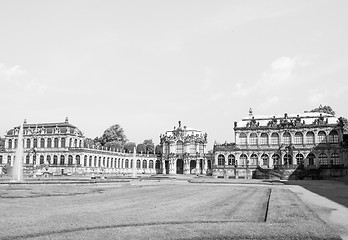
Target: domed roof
(47,128)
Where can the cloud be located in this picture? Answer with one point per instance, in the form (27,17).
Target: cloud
(216,96)
(281,73)
(11,73)
(17,78)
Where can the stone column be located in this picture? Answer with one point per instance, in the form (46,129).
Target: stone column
(163,167)
(205,167)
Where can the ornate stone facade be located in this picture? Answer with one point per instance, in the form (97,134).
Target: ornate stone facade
(311,139)
(184,151)
(58,148)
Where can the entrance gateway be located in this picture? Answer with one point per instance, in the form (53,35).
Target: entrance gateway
(183,151)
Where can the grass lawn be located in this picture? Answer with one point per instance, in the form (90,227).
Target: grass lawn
(169,210)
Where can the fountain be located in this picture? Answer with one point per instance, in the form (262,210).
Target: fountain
(17,173)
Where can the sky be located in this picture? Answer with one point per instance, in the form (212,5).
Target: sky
(148,64)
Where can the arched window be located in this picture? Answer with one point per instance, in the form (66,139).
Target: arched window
(42,159)
(27,159)
(35,143)
(231,160)
(323,159)
(131,163)
(118,163)
(77,159)
(85,161)
(49,143)
(253,159)
(286,138)
(144,164)
(275,139)
(311,158)
(48,159)
(90,161)
(322,137)
(310,138)
(335,159)
(80,144)
(242,139)
(9,160)
(56,142)
(299,159)
(243,159)
(42,143)
(107,162)
(138,163)
(126,164)
(179,147)
(333,136)
(0,159)
(264,139)
(276,159)
(298,138)
(62,160)
(75,143)
(167,148)
(10,143)
(221,160)
(253,139)
(265,159)
(287,159)
(28,143)
(70,142)
(70,160)
(62,143)
(151,164)
(55,160)
(99,162)
(95,161)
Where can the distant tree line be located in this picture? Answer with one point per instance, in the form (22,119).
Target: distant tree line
(115,139)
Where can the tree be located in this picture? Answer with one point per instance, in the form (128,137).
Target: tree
(158,149)
(149,146)
(114,145)
(2,143)
(141,148)
(88,142)
(129,147)
(115,133)
(344,122)
(324,109)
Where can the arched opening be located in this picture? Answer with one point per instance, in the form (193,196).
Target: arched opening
(231,160)
(242,139)
(243,159)
(299,159)
(276,159)
(167,166)
(298,138)
(193,166)
(179,166)
(333,136)
(287,159)
(265,159)
(322,137)
(264,139)
(253,159)
(158,166)
(311,158)
(221,160)
(274,139)
(323,159)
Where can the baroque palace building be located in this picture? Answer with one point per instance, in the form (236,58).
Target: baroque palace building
(58,149)
(310,140)
(184,151)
